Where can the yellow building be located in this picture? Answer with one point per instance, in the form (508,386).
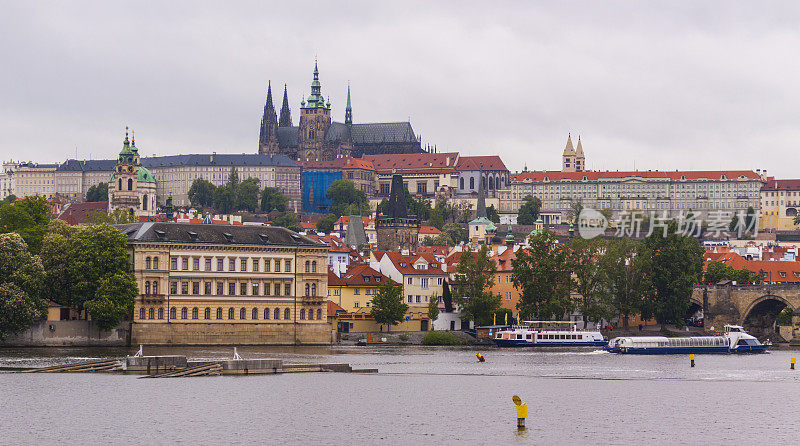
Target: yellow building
(227,284)
(780,200)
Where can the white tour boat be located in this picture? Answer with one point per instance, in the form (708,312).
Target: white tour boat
(529,335)
(735,340)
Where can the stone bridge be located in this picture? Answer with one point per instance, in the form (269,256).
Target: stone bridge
(754,307)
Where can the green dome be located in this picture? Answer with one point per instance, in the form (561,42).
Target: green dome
(491,227)
(145,175)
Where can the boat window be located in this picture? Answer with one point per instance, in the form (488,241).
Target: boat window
(528,336)
(741,342)
(519,336)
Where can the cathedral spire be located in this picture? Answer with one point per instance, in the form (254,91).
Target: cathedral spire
(286,113)
(569,149)
(267,138)
(316,100)
(348,112)
(269,105)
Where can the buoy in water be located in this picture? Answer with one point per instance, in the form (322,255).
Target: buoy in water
(480,357)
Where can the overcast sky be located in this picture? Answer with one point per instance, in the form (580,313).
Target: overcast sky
(673,85)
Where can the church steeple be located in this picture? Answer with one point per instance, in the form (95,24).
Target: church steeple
(316,100)
(348,112)
(568,157)
(580,158)
(286,113)
(268,136)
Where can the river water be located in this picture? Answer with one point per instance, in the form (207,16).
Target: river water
(421,395)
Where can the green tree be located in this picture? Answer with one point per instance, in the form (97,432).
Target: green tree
(529,211)
(608,213)
(289,221)
(202,193)
(455,232)
(492,214)
(18,310)
(442,239)
(325,224)
(21,286)
(433,309)
(437,214)
(98,192)
(718,271)
(115,217)
(543,274)
(343,194)
(383,207)
(574,211)
(8,200)
(677,264)
(473,281)
(589,278)
(247,195)
(388,307)
(273,198)
(628,269)
(27,217)
(113,299)
(225,199)
(447,298)
(501,315)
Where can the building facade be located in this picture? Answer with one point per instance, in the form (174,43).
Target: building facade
(221,284)
(420,274)
(780,200)
(490,170)
(424,174)
(7,179)
(29,179)
(75,177)
(573,160)
(131,187)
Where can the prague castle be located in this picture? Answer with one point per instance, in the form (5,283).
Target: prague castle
(319,138)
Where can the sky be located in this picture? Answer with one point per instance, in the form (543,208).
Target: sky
(688,85)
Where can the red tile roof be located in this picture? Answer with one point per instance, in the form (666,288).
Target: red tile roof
(773,270)
(357,275)
(398,260)
(503,260)
(773,184)
(77,213)
(666,175)
(358,163)
(435,250)
(489,162)
(334,308)
(429,230)
(414,162)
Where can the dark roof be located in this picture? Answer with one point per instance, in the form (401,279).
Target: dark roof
(774,184)
(486,162)
(337,132)
(288,136)
(382,132)
(87,166)
(77,213)
(214,234)
(219,159)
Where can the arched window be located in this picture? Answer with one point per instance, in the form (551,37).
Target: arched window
(483,181)
(472,182)
(172,313)
(243,313)
(255,314)
(141,313)
(302,314)
(144,202)
(155,262)
(461,182)
(195,313)
(313,289)
(207,313)
(308,289)
(130,184)
(219,313)
(314,266)
(120,184)
(161,313)
(287,314)
(155,287)
(147,288)
(230,313)
(277,314)
(319,313)
(266,313)
(184,312)
(147,263)
(308,266)
(491,183)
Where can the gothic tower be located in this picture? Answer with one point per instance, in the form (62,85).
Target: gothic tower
(348,112)
(568,157)
(286,114)
(268,137)
(580,158)
(315,119)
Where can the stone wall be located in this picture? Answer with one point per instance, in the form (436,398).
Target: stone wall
(231,334)
(70,333)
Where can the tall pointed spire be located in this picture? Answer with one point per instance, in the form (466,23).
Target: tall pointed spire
(481,209)
(269,105)
(268,134)
(316,100)
(569,149)
(579,150)
(348,112)
(286,113)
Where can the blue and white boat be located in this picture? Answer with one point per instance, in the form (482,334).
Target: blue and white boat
(735,340)
(527,335)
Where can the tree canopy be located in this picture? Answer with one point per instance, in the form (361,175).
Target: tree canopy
(27,217)
(473,283)
(21,286)
(719,271)
(115,217)
(289,221)
(97,192)
(325,224)
(529,211)
(388,307)
(543,274)
(273,198)
(346,198)
(202,193)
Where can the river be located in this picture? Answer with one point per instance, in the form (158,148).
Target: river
(421,395)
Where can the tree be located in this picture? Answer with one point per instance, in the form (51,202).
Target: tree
(492,214)
(273,198)
(343,194)
(202,193)
(388,307)
(608,213)
(734,223)
(116,217)
(247,195)
(27,217)
(677,264)
(433,309)
(719,271)
(8,200)
(749,219)
(447,298)
(437,214)
(628,270)
(589,278)
(18,310)
(529,211)
(289,221)
(113,300)
(575,209)
(474,279)
(98,192)
(21,286)
(543,273)
(383,207)
(225,199)
(455,232)
(440,240)
(325,224)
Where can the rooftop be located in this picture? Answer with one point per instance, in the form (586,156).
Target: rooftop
(196,233)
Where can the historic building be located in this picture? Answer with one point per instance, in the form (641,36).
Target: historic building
(573,160)
(780,200)
(397,231)
(223,284)
(319,175)
(28,179)
(131,187)
(317,137)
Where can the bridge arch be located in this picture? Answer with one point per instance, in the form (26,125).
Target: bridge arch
(760,316)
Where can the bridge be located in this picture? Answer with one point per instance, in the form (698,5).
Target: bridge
(755,307)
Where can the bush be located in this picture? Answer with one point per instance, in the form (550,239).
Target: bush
(404,337)
(441,338)
(785,317)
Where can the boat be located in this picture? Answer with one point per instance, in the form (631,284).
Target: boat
(535,334)
(735,340)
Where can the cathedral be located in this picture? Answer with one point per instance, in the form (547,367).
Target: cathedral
(318,138)
(131,187)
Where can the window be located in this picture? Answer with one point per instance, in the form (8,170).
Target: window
(287,314)
(172,313)
(155,262)
(220,288)
(184,287)
(184,312)
(287,289)
(185,263)
(255,314)
(141,313)
(357,291)
(230,313)
(410,280)
(207,313)
(243,288)
(242,313)
(508,295)
(196,264)
(231,288)
(255,289)
(313,289)
(472,183)
(319,312)
(155,287)
(147,263)
(355,304)
(219,265)
(256,264)
(277,265)
(424,282)
(232,264)
(266,289)
(410,298)
(195,287)
(208,264)
(439,281)
(147,288)
(461,183)
(219,313)
(266,313)
(302,314)
(308,289)
(267,264)
(418,298)
(161,313)
(244,265)
(308,266)
(207,288)
(277,314)
(194,313)
(288,266)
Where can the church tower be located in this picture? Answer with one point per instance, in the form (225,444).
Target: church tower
(268,137)
(568,157)
(286,114)
(580,158)
(131,187)
(348,112)
(315,119)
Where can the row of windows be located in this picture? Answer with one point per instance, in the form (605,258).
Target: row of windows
(245,263)
(244,288)
(153,313)
(424,282)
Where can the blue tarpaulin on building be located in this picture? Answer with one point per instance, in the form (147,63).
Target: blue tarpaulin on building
(315,186)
